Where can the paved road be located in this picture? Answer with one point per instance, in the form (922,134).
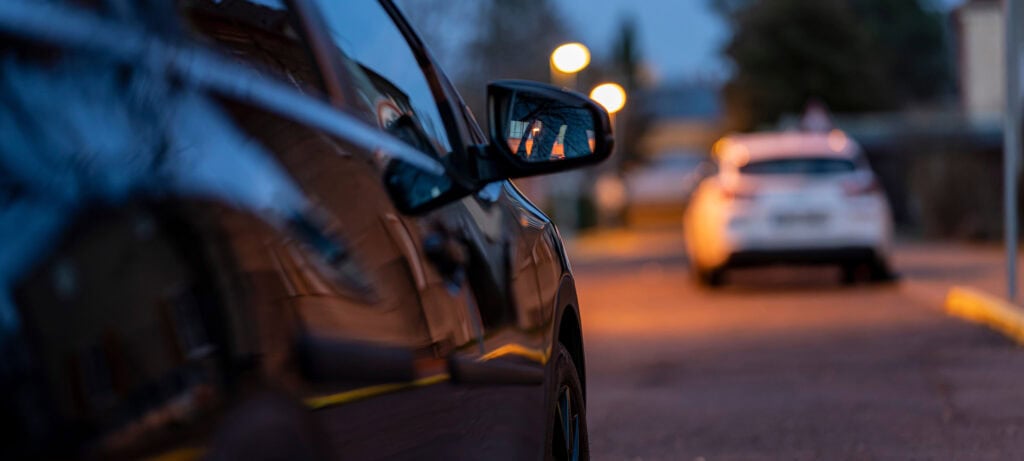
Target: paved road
(787,364)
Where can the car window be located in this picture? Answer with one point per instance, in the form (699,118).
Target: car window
(259,33)
(805,166)
(385,74)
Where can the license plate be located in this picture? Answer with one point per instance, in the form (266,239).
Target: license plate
(807,219)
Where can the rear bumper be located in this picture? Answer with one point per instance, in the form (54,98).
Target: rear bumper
(839,255)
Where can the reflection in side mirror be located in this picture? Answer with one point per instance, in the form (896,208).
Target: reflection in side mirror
(542,130)
(537,128)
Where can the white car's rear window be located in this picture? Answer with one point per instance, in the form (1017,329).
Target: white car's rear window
(802,166)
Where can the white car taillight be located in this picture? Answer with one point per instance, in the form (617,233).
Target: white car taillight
(736,194)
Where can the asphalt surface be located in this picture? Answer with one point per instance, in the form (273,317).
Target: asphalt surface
(788,363)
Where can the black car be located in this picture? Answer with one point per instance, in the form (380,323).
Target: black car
(271,229)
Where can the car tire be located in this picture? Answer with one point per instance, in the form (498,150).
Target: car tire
(711,278)
(567,437)
(880,271)
(849,273)
(875,271)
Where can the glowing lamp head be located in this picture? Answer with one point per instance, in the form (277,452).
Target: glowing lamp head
(570,58)
(609,95)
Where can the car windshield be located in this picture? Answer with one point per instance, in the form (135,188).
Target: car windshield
(804,166)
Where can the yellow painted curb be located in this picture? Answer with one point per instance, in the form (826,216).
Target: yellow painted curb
(979,307)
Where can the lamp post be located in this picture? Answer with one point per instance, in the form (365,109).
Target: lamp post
(567,61)
(609,190)
(610,95)
(1012,13)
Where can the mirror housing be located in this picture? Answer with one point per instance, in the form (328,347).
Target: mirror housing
(536,128)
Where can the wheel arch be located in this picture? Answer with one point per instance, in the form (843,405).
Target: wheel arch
(569,331)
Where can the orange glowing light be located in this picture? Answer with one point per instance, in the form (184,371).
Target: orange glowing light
(570,58)
(720,146)
(610,95)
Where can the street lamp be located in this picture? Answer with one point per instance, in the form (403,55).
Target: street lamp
(570,57)
(566,61)
(609,95)
(609,189)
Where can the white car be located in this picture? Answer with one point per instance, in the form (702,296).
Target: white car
(789,198)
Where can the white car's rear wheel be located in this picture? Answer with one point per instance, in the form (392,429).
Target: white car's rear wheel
(873,270)
(713,277)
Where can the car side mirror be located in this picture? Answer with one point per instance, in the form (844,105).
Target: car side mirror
(537,128)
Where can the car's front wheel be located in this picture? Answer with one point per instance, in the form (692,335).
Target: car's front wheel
(874,270)
(567,413)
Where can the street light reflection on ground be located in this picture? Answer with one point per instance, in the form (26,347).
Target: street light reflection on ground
(609,95)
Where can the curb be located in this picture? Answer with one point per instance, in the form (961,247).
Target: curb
(979,307)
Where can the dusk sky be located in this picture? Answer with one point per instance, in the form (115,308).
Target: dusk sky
(680,39)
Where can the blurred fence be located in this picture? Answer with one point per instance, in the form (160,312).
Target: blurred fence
(942,173)
(956,194)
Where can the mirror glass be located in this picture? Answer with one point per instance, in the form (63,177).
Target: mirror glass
(539,129)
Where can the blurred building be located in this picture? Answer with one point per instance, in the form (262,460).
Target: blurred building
(685,118)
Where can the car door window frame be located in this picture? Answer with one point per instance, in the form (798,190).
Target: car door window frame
(444,93)
(441,89)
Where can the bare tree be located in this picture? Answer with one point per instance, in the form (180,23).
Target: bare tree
(478,41)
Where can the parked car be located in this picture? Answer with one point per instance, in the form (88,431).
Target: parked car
(271,229)
(789,197)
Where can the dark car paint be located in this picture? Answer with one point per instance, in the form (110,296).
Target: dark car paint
(173,259)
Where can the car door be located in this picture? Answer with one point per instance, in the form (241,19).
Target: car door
(393,77)
(518,274)
(385,290)
(406,298)
(513,270)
